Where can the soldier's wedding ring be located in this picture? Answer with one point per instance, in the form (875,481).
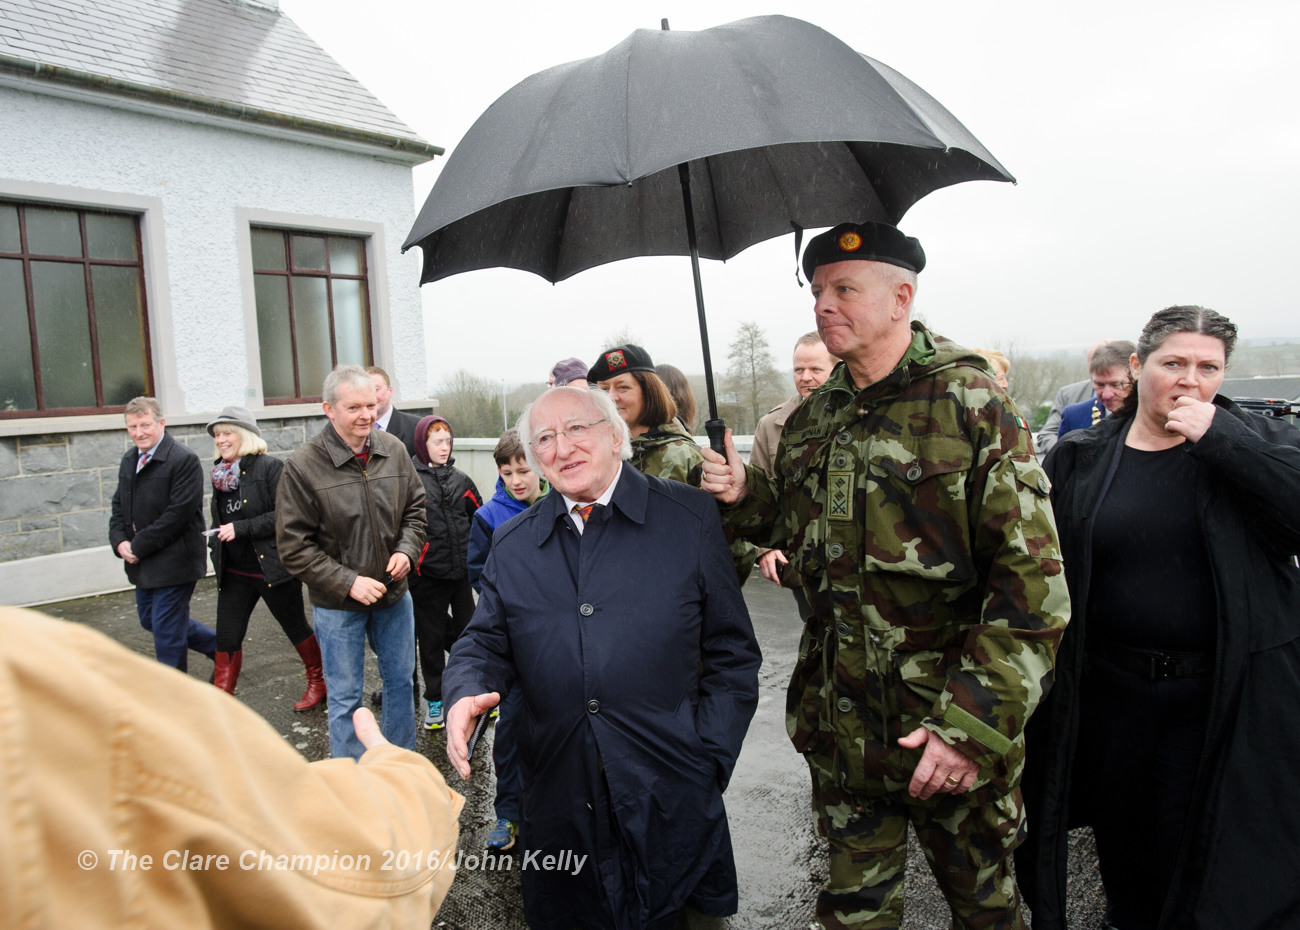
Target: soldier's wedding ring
(952,782)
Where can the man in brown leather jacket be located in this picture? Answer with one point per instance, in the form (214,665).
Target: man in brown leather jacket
(349,524)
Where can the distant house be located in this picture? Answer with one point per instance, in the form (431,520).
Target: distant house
(196,202)
(1285,387)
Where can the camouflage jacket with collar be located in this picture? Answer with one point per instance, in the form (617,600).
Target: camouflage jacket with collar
(919,519)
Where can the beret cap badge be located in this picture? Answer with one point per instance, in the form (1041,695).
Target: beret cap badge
(615,359)
(850,242)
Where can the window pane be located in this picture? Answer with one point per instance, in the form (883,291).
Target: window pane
(312,329)
(119,322)
(9,238)
(53,232)
(17,384)
(268,250)
(309,252)
(275,347)
(350,323)
(111,236)
(345,255)
(63,334)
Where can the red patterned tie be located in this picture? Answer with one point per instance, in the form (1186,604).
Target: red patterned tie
(144,460)
(583,511)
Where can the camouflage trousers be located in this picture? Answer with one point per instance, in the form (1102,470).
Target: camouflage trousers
(967,840)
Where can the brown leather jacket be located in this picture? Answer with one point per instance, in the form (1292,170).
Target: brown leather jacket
(335,520)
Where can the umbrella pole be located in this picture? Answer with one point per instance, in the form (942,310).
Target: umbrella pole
(714,427)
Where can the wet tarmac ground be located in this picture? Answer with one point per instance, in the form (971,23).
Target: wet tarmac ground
(778,855)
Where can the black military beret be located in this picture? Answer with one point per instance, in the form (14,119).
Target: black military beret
(614,362)
(866,242)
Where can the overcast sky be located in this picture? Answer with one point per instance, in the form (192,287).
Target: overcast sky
(1156,148)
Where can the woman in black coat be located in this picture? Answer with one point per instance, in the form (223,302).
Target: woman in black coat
(244,556)
(1171,727)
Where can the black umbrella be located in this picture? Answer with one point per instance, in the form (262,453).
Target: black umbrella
(689,143)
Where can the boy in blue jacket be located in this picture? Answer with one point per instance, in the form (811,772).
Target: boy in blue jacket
(518,487)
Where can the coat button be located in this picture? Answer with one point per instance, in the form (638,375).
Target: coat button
(841,461)
(593,706)
(844,438)
(875,639)
(914,473)
(1044,485)
(835,550)
(586,610)
(845,705)
(842,628)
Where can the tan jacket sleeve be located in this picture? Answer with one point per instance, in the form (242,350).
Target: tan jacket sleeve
(174,805)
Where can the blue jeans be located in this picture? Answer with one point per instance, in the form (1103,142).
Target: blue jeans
(165,612)
(342,635)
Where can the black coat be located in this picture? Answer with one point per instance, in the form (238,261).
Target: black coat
(450,499)
(402,425)
(160,512)
(259,476)
(1239,856)
(638,668)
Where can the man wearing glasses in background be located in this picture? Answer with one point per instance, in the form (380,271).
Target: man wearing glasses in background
(613,606)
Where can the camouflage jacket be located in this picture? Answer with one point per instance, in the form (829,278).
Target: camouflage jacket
(668,451)
(919,519)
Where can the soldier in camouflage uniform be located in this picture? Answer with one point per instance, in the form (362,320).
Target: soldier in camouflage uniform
(661,446)
(907,496)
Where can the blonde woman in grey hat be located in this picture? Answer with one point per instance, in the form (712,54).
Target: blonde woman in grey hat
(244,482)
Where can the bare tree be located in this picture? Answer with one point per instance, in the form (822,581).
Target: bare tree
(471,404)
(752,376)
(1035,379)
(621,337)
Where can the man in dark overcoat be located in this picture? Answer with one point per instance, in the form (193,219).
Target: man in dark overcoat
(613,607)
(156,528)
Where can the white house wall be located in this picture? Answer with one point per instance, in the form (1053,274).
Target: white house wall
(208,180)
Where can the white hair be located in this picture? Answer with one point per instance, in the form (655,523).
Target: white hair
(600,404)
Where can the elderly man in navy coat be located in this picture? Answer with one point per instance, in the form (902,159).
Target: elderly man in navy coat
(613,607)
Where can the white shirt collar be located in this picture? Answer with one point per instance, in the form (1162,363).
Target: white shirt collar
(603,500)
(382,422)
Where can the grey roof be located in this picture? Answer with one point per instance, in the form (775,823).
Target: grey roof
(229,56)
(1286,387)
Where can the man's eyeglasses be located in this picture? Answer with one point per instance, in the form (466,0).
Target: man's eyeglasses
(574,432)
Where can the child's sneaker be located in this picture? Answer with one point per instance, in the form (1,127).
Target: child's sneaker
(502,837)
(433,720)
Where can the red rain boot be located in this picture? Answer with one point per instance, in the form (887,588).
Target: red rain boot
(226,672)
(309,649)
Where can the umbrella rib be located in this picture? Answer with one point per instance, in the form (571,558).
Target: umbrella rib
(569,193)
(717,216)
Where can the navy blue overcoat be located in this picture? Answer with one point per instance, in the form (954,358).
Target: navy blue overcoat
(638,667)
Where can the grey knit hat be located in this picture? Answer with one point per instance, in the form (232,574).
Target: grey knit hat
(239,416)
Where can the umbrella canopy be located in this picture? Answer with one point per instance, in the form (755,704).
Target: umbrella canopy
(782,125)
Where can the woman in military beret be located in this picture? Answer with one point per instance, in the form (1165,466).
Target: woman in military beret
(661,446)
(1170,728)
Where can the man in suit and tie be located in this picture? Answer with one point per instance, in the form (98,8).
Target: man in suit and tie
(156,528)
(387,417)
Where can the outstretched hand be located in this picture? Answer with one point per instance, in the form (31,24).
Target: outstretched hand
(368,732)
